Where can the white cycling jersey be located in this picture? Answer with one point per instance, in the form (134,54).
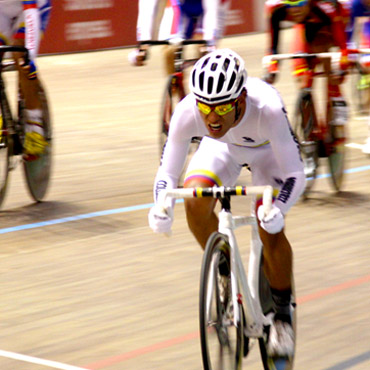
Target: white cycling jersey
(211,22)
(24,19)
(263,140)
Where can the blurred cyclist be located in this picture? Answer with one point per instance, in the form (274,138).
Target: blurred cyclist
(319,25)
(361,9)
(202,19)
(22,23)
(242,120)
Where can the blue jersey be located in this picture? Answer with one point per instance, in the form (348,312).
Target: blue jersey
(358,9)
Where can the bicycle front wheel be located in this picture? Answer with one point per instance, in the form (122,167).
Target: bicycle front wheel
(221,323)
(303,125)
(337,156)
(38,170)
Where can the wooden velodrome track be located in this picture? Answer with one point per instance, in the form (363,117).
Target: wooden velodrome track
(85,284)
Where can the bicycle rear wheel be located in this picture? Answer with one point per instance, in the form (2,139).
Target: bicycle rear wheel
(273,363)
(37,170)
(220,332)
(303,124)
(6,152)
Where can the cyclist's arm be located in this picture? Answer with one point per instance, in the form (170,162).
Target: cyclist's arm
(182,128)
(275,13)
(214,18)
(286,149)
(32,23)
(149,19)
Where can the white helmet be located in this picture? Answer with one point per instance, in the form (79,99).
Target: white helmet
(218,77)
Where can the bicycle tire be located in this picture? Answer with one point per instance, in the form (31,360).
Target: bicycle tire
(37,170)
(6,153)
(221,338)
(303,124)
(273,363)
(336,159)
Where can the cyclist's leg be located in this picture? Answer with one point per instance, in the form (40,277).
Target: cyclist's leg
(277,260)
(35,142)
(211,165)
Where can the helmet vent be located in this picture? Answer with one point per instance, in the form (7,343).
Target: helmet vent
(213,67)
(226,64)
(205,63)
(232,81)
(201,80)
(221,82)
(210,85)
(240,83)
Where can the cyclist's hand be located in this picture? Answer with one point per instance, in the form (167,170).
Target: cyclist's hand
(273,222)
(29,69)
(160,220)
(137,57)
(271,70)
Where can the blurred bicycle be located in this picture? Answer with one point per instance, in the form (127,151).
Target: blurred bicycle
(37,169)
(319,137)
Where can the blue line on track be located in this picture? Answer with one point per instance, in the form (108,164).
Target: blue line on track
(347,364)
(120,210)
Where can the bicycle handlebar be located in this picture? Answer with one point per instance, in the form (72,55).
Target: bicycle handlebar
(218,192)
(14,49)
(176,42)
(336,54)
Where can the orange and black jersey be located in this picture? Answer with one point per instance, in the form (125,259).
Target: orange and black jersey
(323,14)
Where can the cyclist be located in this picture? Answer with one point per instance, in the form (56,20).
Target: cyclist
(361,8)
(242,121)
(22,23)
(192,18)
(319,25)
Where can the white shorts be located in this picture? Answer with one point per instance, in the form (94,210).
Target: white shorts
(220,164)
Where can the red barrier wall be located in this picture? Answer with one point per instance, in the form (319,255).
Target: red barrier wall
(80,25)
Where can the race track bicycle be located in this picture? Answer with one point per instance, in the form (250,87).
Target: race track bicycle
(36,168)
(235,310)
(317,137)
(174,90)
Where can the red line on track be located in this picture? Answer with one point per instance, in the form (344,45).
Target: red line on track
(173,341)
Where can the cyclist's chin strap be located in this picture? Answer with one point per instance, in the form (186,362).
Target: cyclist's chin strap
(237,112)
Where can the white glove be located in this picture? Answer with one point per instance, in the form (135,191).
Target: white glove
(273,222)
(160,220)
(137,57)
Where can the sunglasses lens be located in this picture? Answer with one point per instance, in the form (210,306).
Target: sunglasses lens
(297,3)
(205,109)
(224,109)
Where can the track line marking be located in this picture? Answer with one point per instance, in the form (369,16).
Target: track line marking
(39,361)
(123,210)
(171,342)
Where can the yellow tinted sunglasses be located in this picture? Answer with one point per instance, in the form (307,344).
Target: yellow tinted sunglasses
(220,110)
(294,3)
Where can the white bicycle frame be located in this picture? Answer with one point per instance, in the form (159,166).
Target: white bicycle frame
(247,292)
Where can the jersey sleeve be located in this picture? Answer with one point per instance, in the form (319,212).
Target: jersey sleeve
(214,18)
(176,148)
(32,26)
(275,13)
(276,126)
(149,19)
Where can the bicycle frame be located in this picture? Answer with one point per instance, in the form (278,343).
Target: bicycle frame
(248,295)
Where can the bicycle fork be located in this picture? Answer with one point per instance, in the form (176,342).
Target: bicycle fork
(246,292)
